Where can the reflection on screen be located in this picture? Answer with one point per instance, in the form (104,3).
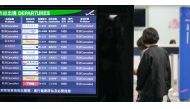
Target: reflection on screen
(48,51)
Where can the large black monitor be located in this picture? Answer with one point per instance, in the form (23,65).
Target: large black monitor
(65,53)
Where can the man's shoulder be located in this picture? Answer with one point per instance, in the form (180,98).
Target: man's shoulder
(156,50)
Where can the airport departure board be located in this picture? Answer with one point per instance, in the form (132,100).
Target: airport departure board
(48,51)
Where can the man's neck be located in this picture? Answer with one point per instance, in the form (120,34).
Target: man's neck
(149,45)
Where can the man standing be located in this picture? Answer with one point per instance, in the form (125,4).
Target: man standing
(154,72)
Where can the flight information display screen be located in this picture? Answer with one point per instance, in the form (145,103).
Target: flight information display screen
(48,51)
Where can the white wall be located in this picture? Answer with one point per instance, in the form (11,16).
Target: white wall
(160,17)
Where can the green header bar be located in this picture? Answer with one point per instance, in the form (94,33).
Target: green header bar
(37,12)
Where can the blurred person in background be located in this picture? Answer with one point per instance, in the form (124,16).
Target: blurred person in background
(142,48)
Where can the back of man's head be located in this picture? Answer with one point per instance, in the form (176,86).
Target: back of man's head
(150,36)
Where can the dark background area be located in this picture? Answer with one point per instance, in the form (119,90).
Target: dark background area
(139,18)
(114,56)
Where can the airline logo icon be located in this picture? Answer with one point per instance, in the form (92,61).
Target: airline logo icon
(30,78)
(30,67)
(29,36)
(30,41)
(30,47)
(30,31)
(91,13)
(30,73)
(29,25)
(29,62)
(28,57)
(30,52)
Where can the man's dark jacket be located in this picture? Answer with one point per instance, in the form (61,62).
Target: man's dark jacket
(154,74)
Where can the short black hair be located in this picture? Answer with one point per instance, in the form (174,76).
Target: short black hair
(150,36)
(140,44)
(172,41)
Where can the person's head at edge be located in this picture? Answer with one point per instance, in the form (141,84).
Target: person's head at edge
(172,41)
(140,44)
(150,37)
